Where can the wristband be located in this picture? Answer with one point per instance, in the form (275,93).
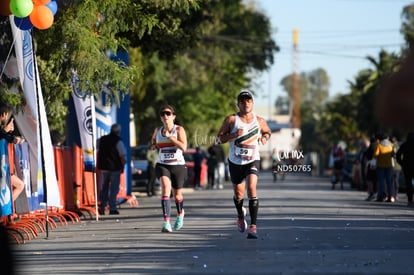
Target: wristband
(266,133)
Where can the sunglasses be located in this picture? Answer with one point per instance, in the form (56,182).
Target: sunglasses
(165,113)
(246,100)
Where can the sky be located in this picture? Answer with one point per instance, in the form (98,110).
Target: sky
(335,35)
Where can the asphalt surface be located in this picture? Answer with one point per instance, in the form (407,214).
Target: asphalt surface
(304,227)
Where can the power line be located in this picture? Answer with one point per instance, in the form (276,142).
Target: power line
(339,31)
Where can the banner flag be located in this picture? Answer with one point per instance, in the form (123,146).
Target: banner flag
(105,113)
(85,113)
(22,154)
(53,195)
(6,203)
(28,121)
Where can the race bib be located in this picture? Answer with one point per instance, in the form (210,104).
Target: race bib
(168,155)
(245,152)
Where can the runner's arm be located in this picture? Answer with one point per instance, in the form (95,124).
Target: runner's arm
(264,129)
(181,140)
(225,134)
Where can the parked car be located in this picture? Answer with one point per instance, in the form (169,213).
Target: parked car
(139,168)
(189,161)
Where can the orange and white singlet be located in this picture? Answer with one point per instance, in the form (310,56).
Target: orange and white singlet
(169,153)
(245,149)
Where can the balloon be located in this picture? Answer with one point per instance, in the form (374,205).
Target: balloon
(5,7)
(21,8)
(40,2)
(52,5)
(23,23)
(41,17)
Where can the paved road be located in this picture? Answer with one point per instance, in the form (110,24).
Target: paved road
(304,227)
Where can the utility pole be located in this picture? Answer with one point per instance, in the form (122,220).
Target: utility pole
(295,119)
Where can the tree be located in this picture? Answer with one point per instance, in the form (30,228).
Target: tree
(314,86)
(85,33)
(193,54)
(203,80)
(407,26)
(366,88)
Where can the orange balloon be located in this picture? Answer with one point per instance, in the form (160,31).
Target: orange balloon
(40,2)
(5,7)
(41,17)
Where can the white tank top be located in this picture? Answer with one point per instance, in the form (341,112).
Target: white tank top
(169,153)
(245,149)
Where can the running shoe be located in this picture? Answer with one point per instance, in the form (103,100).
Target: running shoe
(179,221)
(252,234)
(241,222)
(391,199)
(166,227)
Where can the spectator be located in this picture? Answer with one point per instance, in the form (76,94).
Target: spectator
(152,158)
(338,157)
(111,161)
(362,163)
(198,157)
(396,169)
(277,163)
(371,169)
(217,152)
(211,169)
(7,130)
(384,154)
(405,157)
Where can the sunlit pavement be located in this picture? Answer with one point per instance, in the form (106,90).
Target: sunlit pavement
(304,227)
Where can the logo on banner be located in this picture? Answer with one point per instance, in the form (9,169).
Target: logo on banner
(87,122)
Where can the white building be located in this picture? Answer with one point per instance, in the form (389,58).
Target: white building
(283,139)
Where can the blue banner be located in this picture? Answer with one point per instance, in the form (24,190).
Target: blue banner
(22,154)
(6,204)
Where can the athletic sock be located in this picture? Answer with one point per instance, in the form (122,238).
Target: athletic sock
(253,209)
(239,206)
(166,207)
(179,205)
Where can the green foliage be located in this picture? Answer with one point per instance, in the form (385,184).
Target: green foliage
(407,28)
(81,42)
(366,88)
(203,78)
(192,54)
(313,86)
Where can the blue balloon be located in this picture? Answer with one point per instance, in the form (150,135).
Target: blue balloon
(52,5)
(23,23)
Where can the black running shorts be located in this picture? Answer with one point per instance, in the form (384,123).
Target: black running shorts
(176,173)
(238,173)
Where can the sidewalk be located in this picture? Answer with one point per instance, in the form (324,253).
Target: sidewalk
(304,227)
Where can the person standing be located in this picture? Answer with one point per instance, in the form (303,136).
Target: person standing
(371,167)
(170,169)
(152,157)
(219,156)
(405,157)
(362,163)
(211,168)
(7,130)
(396,171)
(111,161)
(198,157)
(384,153)
(244,131)
(338,164)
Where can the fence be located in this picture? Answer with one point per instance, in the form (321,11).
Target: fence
(28,219)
